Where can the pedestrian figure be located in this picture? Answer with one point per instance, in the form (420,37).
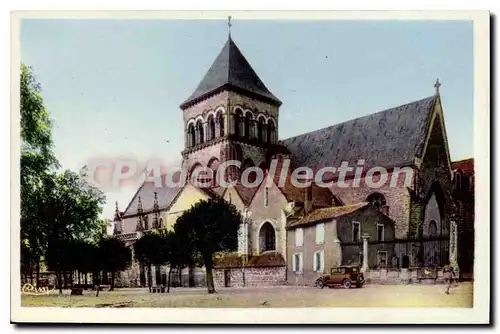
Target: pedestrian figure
(449,276)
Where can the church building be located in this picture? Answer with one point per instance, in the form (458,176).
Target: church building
(232,115)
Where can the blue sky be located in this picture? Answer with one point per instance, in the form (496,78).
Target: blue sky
(113,87)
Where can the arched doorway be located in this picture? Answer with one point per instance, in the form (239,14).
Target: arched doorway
(267,238)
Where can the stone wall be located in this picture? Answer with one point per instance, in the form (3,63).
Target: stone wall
(263,276)
(397,198)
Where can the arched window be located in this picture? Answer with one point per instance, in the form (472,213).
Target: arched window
(160,223)
(249,132)
(211,127)
(238,122)
(201,135)
(191,135)
(377,200)
(260,129)
(432,228)
(271,131)
(146,222)
(267,238)
(247,164)
(213,164)
(220,123)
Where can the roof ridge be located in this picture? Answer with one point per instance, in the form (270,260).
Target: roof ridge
(357,118)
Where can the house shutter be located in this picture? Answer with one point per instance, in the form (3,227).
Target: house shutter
(300,262)
(299,237)
(320,233)
(294,262)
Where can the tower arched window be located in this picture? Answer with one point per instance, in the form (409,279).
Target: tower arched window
(220,122)
(271,131)
(260,129)
(201,134)
(249,132)
(239,123)
(211,127)
(191,135)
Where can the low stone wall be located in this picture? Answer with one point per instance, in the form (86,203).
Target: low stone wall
(253,276)
(405,276)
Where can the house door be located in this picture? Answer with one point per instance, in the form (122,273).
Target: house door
(227,278)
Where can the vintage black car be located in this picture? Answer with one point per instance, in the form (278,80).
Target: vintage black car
(345,276)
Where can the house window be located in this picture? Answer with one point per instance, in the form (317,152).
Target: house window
(319,261)
(266,197)
(299,237)
(320,233)
(297,262)
(382,259)
(356,231)
(380,232)
(160,222)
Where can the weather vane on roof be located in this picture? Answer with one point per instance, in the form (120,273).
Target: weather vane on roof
(437,85)
(229,24)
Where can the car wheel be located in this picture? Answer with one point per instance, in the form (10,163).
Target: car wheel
(346,283)
(320,284)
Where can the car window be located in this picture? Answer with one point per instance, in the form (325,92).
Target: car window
(343,271)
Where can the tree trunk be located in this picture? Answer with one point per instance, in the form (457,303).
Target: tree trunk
(210,279)
(38,272)
(71,280)
(180,277)
(86,279)
(112,288)
(169,275)
(191,277)
(79,276)
(59,281)
(150,277)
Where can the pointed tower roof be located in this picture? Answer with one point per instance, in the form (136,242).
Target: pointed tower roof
(231,71)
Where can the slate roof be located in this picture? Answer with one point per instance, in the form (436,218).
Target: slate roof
(231,70)
(466,166)
(166,195)
(327,213)
(388,138)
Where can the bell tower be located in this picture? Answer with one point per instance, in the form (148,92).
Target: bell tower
(231,115)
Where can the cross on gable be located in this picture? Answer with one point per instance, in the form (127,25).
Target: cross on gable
(437,85)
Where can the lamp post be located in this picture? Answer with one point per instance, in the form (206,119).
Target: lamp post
(246,215)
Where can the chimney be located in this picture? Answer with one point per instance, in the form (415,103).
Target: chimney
(308,199)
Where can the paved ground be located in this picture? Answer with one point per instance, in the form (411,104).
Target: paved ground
(286,296)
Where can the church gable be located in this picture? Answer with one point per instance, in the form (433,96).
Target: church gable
(389,138)
(434,151)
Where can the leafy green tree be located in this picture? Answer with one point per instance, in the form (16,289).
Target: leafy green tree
(72,209)
(115,256)
(209,227)
(37,164)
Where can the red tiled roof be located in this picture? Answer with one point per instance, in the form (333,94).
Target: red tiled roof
(233,260)
(466,166)
(328,213)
